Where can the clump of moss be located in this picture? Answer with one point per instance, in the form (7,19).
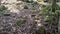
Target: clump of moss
(41,12)
(20,21)
(55,14)
(40,30)
(43,5)
(2,8)
(58,31)
(47,19)
(36,18)
(7,14)
(25,7)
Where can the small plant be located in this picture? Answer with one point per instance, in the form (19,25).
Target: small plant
(46,9)
(54,14)
(57,7)
(40,30)
(47,19)
(25,7)
(20,21)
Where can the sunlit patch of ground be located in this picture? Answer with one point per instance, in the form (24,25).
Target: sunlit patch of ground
(14,11)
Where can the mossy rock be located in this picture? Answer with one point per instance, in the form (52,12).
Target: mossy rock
(7,14)
(20,21)
(40,30)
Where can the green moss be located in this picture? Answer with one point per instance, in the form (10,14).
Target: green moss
(36,18)
(7,14)
(43,5)
(47,19)
(58,31)
(57,7)
(41,12)
(2,8)
(25,7)
(20,21)
(55,14)
(47,8)
(40,30)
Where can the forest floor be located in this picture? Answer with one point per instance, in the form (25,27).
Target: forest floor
(8,23)
(16,12)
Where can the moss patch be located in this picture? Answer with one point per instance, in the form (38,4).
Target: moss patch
(36,18)
(7,14)
(25,7)
(40,30)
(20,21)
